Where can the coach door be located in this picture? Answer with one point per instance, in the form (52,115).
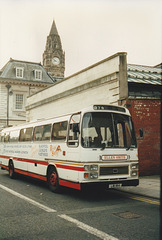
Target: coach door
(73,137)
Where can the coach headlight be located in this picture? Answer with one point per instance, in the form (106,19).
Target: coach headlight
(134,166)
(91,171)
(86,167)
(93,175)
(134,174)
(93,168)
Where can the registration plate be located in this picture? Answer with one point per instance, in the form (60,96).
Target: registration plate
(115,185)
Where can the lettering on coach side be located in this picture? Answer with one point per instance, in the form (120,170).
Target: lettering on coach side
(55,150)
(43,150)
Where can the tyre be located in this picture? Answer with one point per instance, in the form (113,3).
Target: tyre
(53,180)
(11,169)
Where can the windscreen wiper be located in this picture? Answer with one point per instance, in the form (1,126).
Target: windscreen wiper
(103,146)
(128,148)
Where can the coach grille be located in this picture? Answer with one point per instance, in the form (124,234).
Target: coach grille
(113,170)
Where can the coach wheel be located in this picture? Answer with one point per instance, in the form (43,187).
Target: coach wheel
(11,169)
(53,180)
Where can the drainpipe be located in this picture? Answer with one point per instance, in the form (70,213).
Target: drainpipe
(8,86)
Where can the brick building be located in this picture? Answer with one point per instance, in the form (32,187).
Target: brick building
(144,104)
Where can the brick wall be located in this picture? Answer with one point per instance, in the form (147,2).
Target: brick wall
(146,115)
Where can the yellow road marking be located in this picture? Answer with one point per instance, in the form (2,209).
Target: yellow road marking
(145,200)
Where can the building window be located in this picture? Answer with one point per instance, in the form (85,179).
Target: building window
(19,72)
(19,104)
(38,74)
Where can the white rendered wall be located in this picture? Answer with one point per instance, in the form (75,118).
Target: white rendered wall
(99,83)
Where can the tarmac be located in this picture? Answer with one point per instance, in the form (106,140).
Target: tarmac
(149,186)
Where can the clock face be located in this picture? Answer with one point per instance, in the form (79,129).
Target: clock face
(55,60)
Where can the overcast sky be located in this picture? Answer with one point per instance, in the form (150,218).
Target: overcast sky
(90,30)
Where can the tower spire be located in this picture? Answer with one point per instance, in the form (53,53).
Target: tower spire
(53,56)
(53,29)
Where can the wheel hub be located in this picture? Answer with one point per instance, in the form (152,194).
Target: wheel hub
(53,179)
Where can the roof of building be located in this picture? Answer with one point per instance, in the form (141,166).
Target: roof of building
(144,74)
(29,68)
(159,65)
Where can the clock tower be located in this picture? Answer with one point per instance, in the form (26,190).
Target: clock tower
(53,56)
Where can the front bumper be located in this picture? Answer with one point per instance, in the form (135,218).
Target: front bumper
(105,184)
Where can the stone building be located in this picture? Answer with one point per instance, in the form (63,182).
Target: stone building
(111,81)
(18,80)
(53,56)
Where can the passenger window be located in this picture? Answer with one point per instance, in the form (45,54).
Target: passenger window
(73,138)
(2,137)
(14,136)
(42,133)
(59,131)
(6,137)
(46,133)
(26,134)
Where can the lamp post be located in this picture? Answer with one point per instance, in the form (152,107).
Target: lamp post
(8,86)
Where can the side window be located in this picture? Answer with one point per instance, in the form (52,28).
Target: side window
(42,133)
(59,131)
(26,134)
(2,137)
(73,136)
(14,136)
(6,137)
(46,133)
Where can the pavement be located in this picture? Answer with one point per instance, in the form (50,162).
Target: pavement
(149,186)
